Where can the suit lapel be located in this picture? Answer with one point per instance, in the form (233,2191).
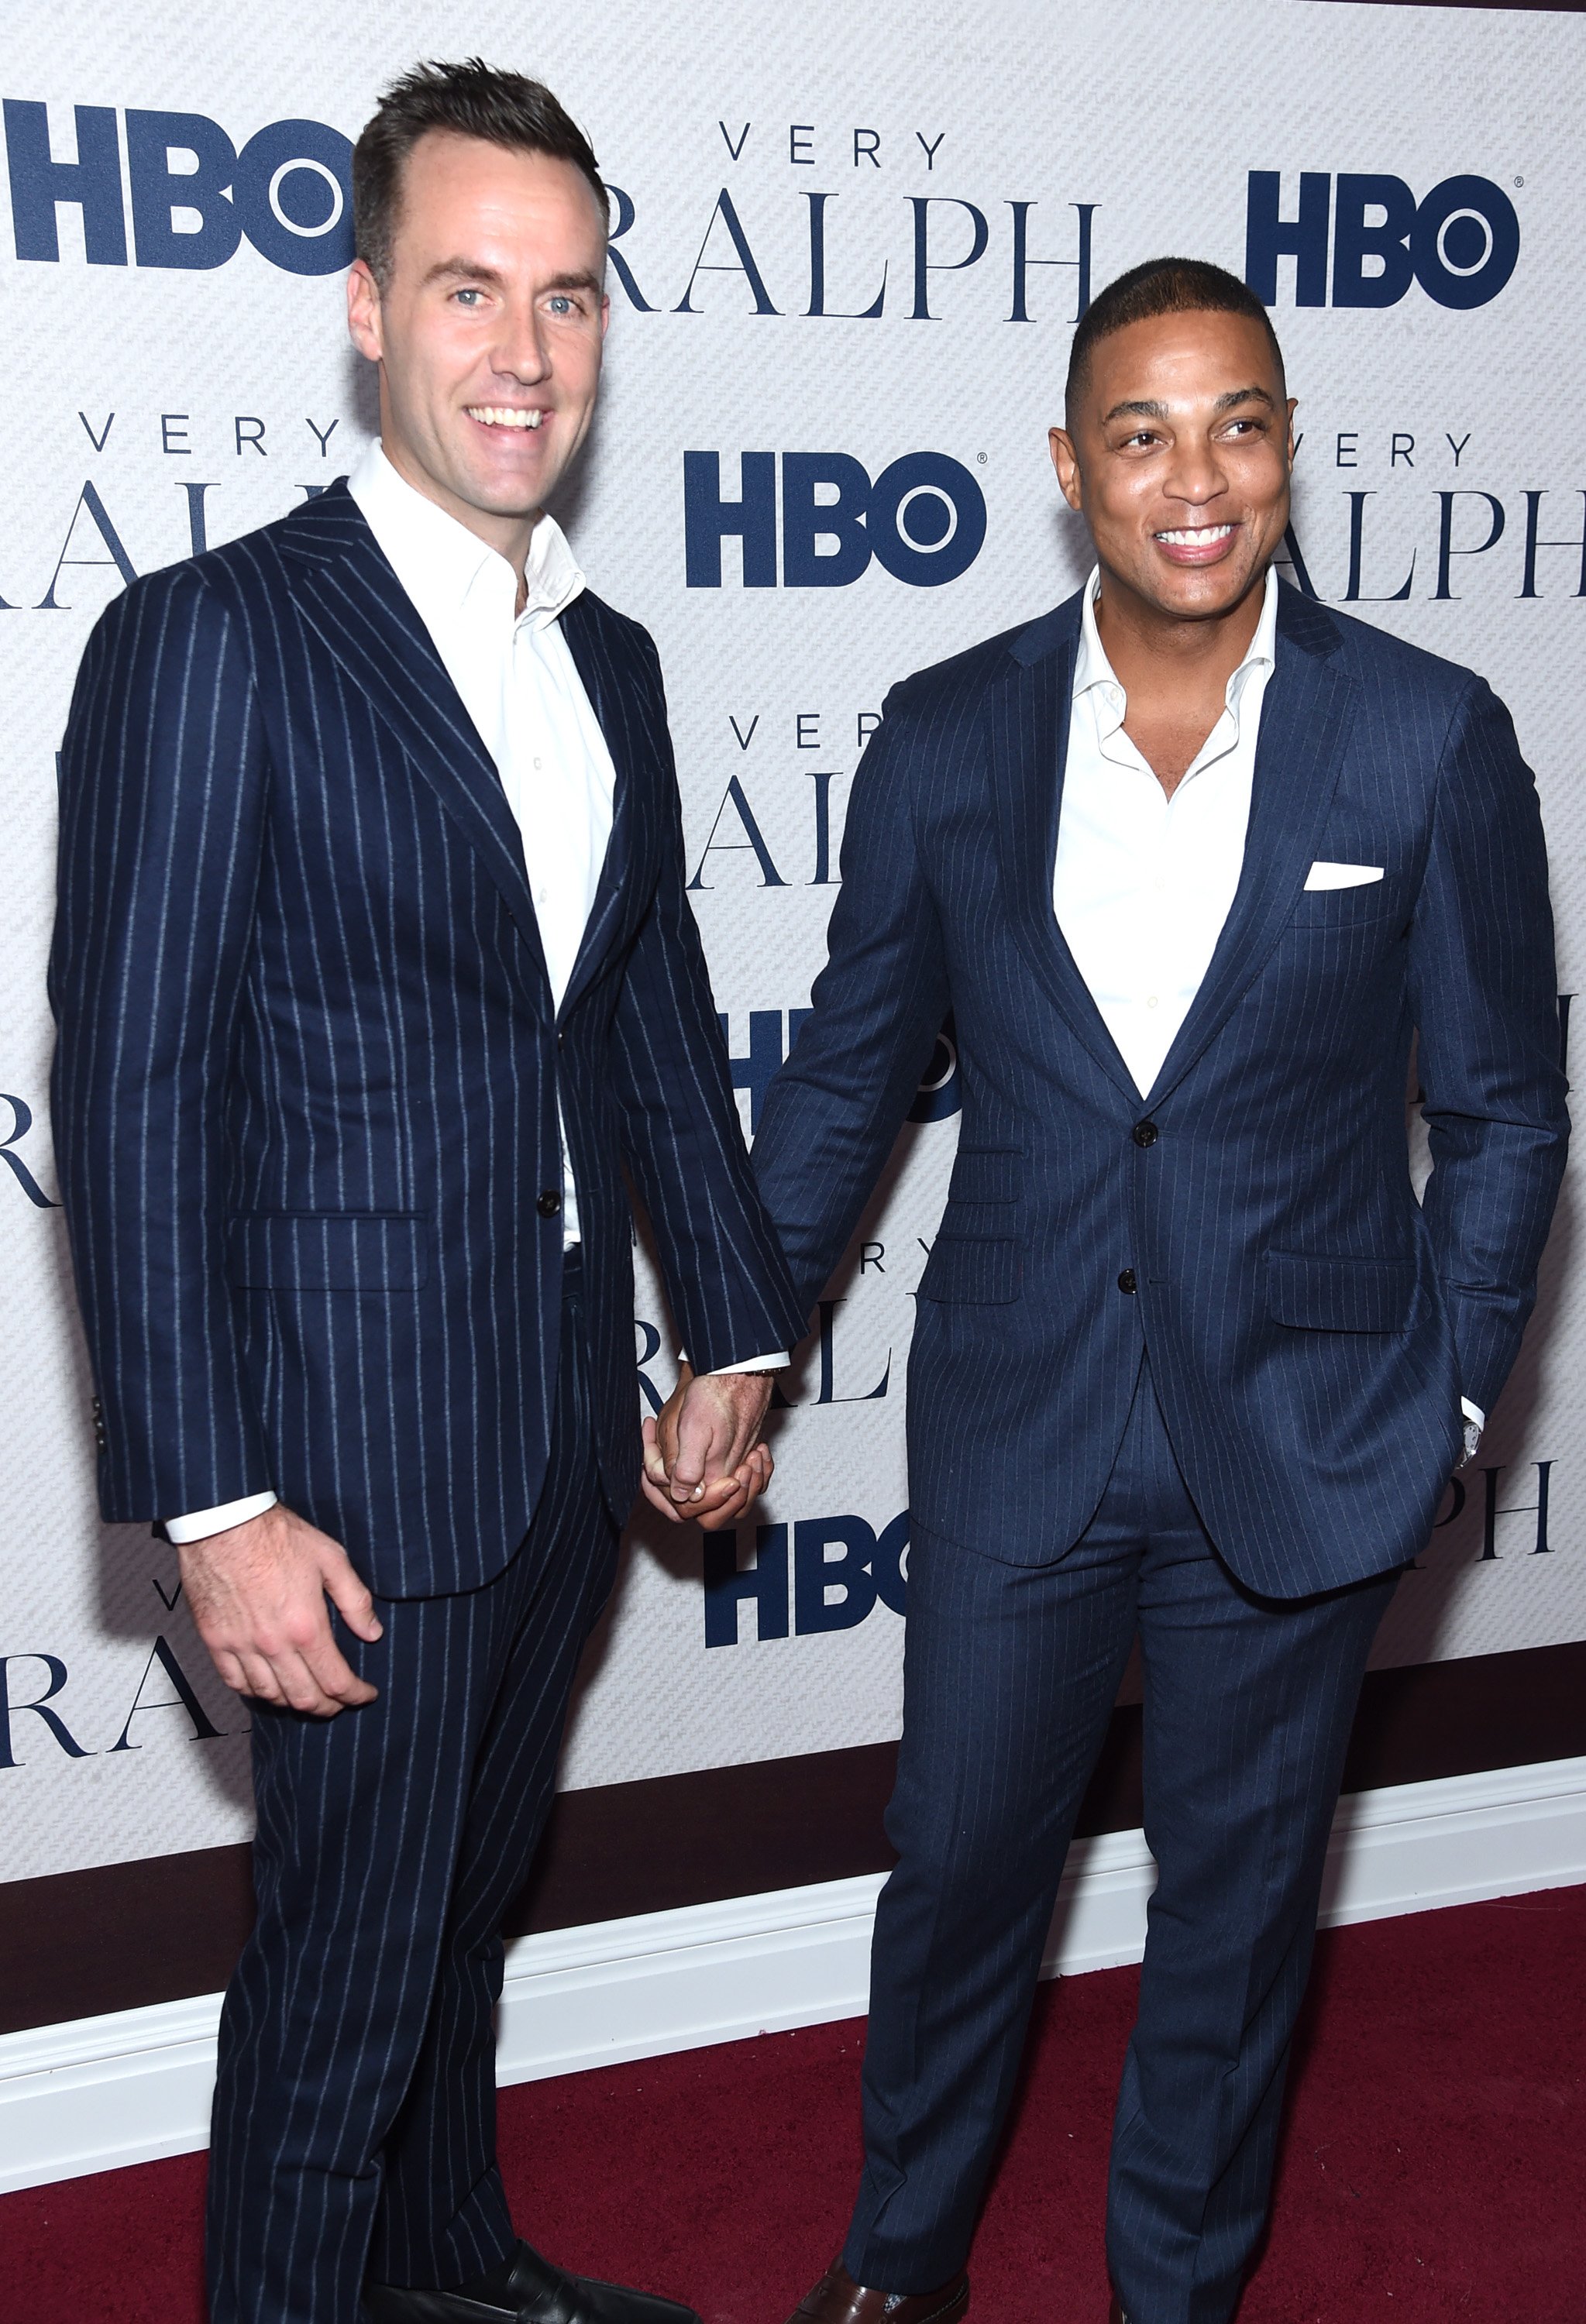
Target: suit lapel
(1029,714)
(359,610)
(1306,717)
(614,705)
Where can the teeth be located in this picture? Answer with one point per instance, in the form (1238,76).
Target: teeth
(503,415)
(1197,536)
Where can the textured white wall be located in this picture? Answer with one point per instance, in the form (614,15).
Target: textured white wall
(1147,121)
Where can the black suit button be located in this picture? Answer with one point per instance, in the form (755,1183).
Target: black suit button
(1145,1133)
(1126,1281)
(549,1203)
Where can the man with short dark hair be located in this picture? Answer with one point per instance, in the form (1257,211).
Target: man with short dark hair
(372,967)
(1191,859)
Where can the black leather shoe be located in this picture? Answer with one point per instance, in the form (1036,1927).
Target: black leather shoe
(535,2292)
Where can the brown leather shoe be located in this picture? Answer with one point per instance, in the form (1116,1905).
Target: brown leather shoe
(838,2299)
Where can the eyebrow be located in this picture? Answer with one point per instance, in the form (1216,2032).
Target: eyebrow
(1141,407)
(472,270)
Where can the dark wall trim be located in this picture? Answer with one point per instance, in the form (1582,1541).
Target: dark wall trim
(121,1936)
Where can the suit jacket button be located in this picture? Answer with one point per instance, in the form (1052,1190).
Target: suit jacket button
(1145,1133)
(1126,1281)
(549,1203)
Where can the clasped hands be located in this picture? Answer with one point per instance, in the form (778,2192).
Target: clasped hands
(703,1457)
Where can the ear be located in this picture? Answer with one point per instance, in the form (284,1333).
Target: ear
(1294,406)
(1065,460)
(363,315)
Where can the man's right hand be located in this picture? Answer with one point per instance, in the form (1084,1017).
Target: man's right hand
(257,1596)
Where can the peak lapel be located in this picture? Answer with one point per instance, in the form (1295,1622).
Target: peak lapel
(354,602)
(614,705)
(1030,747)
(1305,719)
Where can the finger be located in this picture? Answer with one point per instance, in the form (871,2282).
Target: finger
(726,1513)
(702,1447)
(299,1689)
(660,1497)
(750,1481)
(229,1671)
(350,1594)
(668,1426)
(332,1673)
(655,1467)
(259,1679)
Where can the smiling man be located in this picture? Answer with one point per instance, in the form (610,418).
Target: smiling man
(373,968)
(1191,859)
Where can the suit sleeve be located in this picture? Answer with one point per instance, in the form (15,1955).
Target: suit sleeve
(161,821)
(727,1280)
(832,1112)
(1484,989)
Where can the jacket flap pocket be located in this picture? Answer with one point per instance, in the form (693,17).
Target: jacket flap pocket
(330,1251)
(971,1269)
(1339,1294)
(986,1174)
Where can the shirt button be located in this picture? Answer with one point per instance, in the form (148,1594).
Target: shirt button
(1150,1000)
(1144,1133)
(537,763)
(1126,1281)
(550,1202)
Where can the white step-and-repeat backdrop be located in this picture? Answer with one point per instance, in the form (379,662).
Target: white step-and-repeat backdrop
(850,245)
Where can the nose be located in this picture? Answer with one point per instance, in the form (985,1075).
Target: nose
(1197,475)
(520,351)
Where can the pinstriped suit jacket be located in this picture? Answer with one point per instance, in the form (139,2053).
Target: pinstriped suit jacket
(1311,1327)
(305,1088)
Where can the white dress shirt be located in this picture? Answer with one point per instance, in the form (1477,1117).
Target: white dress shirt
(1143,883)
(519,683)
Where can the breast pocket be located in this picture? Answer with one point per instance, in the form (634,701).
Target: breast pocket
(1360,906)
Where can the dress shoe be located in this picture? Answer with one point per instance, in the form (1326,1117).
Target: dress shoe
(838,2299)
(532,2291)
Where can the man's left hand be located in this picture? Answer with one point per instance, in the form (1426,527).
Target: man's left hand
(703,1458)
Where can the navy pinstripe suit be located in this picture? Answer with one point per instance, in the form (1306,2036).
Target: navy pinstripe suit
(1206,1379)
(306,1101)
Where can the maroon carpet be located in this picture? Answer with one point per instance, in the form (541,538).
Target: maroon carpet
(1434,2163)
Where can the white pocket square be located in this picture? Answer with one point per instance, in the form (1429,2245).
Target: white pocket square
(1341,875)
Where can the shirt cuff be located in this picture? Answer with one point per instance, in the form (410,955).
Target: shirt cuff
(1472,1412)
(200,1523)
(777,1363)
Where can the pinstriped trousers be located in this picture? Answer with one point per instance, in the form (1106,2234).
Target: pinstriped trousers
(1011,1674)
(355,2110)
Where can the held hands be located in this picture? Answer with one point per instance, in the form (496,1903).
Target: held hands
(258,1595)
(702,1457)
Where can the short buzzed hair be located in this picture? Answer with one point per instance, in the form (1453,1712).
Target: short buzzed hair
(1162,286)
(472,99)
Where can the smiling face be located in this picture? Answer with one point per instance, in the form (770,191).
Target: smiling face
(488,329)
(1178,455)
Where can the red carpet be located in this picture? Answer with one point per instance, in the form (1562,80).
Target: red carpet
(1434,2163)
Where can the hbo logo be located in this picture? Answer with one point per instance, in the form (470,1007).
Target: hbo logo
(193,196)
(1460,243)
(923,519)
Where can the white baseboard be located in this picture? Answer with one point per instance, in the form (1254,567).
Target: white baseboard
(104,2091)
